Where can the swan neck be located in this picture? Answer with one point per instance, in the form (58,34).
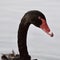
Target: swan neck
(22,42)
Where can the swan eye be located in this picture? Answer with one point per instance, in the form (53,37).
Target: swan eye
(42,19)
(39,17)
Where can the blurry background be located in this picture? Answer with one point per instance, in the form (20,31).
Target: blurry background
(40,45)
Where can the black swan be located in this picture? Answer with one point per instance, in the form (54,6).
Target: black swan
(36,18)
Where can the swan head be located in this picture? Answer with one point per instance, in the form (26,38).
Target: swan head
(38,19)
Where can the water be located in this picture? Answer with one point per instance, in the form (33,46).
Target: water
(40,45)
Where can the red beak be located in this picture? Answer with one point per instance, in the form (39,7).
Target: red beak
(45,27)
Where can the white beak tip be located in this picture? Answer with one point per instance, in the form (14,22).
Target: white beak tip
(51,34)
